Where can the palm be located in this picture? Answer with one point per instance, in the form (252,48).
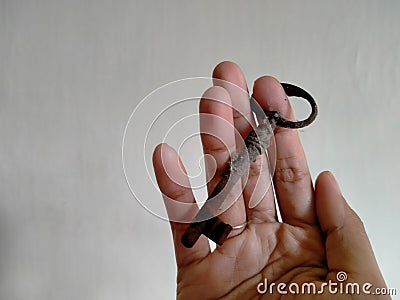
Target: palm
(256,254)
(318,230)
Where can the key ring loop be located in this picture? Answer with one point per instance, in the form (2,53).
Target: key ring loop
(290,90)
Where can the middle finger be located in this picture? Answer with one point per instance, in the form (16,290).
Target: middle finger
(258,196)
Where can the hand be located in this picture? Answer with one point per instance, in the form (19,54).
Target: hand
(319,235)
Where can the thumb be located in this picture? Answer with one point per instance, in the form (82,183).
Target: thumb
(347,245)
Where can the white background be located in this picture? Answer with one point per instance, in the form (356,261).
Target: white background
(72,71)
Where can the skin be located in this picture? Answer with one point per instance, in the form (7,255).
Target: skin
(318,236)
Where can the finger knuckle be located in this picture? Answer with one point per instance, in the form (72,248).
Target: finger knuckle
(178,194)
(291,174)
